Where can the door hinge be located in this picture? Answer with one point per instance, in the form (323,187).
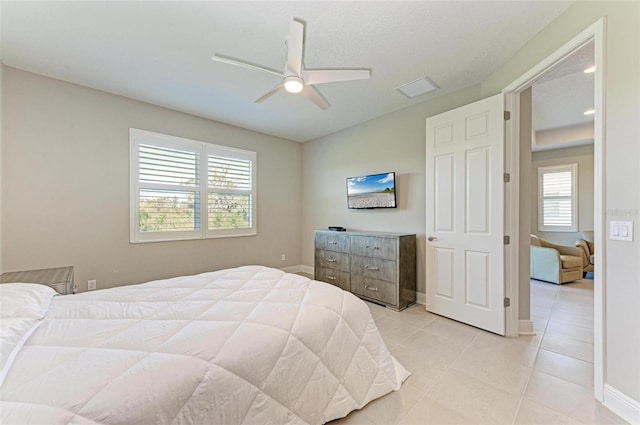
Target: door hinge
(507,302)
(506,177)
(507,240)
(507,115)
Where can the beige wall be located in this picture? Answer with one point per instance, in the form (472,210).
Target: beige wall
(65,186)
(563,137)
(395,142)
(583,156)
(622,174)
(59,207)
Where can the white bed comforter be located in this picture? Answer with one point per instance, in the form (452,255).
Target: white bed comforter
(251,345)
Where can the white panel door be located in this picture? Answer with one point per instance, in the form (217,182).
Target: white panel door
(465,210)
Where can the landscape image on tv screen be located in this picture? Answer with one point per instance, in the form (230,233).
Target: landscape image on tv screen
(373,191)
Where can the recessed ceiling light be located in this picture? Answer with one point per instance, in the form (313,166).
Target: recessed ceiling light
(590,70)
(418,87)
(590,112)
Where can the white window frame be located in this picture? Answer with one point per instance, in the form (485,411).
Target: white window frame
(573,169)
(137,137)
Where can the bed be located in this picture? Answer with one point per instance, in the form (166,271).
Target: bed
(249,345)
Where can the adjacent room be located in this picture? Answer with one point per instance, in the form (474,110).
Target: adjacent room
(308,212)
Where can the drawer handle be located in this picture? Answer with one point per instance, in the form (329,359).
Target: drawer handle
(333,242)
(331,260)
(331,277)
(373,268)
(372,247)
(370,288)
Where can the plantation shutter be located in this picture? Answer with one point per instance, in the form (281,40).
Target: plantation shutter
(557,198)
(185,189)
(230,191)
(169,199)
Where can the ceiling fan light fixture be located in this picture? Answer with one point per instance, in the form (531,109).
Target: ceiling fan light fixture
(293,84)
(295,79)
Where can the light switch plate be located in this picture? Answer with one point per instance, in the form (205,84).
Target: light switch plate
(621,231)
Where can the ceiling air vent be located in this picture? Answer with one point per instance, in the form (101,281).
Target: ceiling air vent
(418,87)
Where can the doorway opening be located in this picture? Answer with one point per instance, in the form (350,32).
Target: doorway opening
(561,181)
(519,200)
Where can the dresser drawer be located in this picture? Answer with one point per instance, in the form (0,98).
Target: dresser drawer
(335,277)
(375,289)
(332,260)
(332,241)
(371,246)
(374,268)
(380,267)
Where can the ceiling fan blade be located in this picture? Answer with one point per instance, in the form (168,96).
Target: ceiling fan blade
(295,42)
(273,91)
(320,76)
(231,61)
(314,95)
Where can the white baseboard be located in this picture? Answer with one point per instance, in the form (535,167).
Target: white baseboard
(621,404)
(309,270)
(525,327)
(300,268)
(292,269)
(421,298)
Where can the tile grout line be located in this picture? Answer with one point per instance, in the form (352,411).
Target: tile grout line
(408,324)
(390,349)
(526,385)
(565,380)
(538,348)
(435,381)
(544,405)
(553,304)
(546,330)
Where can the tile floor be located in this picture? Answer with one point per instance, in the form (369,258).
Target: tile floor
(462,375)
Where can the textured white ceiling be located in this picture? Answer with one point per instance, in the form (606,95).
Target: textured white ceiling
(560,97)
(159,52)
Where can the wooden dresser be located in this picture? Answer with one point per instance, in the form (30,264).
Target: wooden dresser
(379,267)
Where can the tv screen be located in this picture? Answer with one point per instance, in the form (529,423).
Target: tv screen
(372,191)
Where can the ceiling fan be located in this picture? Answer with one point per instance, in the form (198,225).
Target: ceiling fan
(296,79)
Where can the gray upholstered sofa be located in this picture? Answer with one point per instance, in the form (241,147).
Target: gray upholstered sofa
(555,263)
(587,251)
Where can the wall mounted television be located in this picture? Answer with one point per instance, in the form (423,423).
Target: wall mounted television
(372,191)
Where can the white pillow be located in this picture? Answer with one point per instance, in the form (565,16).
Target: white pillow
(25,300)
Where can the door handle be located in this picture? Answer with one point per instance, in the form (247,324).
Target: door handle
(432,238)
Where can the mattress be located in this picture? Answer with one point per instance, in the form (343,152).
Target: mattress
(250,345)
